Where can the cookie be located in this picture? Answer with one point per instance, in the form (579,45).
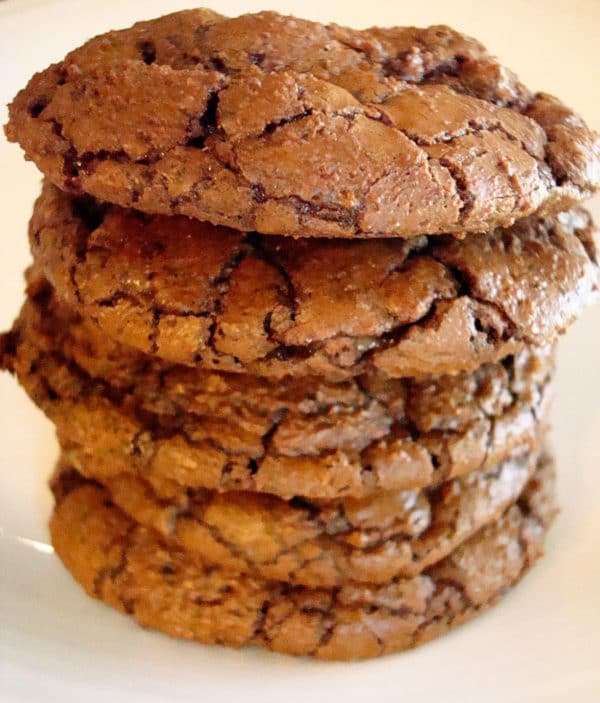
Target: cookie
(282,126)
(133,569)
(182,428)
(325,543)
(192,294)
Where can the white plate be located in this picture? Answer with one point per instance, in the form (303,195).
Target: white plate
(541,644)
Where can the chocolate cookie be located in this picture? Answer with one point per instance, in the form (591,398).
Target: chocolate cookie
(181,427)
(193,294)
(284,126)
(133,569)
(326,543)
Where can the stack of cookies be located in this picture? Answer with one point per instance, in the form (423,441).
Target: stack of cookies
(293,310)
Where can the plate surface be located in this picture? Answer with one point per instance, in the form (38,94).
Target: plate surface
(542,643)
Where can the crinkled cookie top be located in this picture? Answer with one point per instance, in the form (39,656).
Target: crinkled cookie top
(284,126)
(206,296)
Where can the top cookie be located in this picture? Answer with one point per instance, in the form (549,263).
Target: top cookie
(284,126)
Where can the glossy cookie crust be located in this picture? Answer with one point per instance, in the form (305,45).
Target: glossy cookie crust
(326,543)
(181,429)
(132,569)
(282,126)
(190,293)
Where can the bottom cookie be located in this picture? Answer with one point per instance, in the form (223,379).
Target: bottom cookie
(132,569)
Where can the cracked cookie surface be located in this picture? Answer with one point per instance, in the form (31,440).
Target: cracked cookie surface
(198,295)
(131,568)
(325,543)
(284,126)
(117,410)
